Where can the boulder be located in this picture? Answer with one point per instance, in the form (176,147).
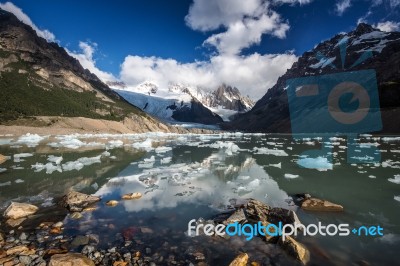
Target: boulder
(295,249)
(18,210)
(76,201)
(2,158)
(256,211)
(15,222)
(237,216)
(70,259)
(112,203)
(314,204)
(240,260)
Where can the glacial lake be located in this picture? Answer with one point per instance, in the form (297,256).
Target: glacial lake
(185,177)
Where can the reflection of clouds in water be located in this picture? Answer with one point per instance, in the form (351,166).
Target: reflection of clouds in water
(213,182)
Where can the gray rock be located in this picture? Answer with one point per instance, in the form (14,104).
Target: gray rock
(80,241)
(76,201)
(25,260)
(23,236)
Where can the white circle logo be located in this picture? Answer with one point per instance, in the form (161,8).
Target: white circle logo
(359,93)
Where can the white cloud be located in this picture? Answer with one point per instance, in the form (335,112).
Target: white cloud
(388,26)
(244,22)
(342,6)
(253,74)
(85,57)
(10,7)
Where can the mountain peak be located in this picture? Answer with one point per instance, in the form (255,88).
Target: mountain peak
(363,28)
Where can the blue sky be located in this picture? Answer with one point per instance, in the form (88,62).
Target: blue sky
(133,40)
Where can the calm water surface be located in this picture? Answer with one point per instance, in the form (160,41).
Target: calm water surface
(184,177)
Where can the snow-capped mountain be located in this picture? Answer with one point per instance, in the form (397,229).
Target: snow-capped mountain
(364,48)
(187,103)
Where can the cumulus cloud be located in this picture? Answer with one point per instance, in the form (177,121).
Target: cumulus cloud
(244,22)
(253,74)
(388,26)
(10,7)
(85,57)
(342,6)
(239,24)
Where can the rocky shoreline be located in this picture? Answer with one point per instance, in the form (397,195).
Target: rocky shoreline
(28,238)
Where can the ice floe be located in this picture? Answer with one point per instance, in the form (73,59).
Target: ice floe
(291,176)
(395,180)
(17,157)
(319,163)
(30,140)
(277,165)
(166,160)
(270,152)
(145,145)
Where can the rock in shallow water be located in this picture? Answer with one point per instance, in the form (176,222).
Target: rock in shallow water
(2,158)
(314,204)
(76,201)
(70,259)
(295,249)
(112,203)
(18,210)
(240,260)
(130,196)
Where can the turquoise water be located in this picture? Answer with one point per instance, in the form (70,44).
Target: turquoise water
(184,177)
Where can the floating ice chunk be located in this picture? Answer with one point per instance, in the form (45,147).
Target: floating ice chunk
(395,180)
(72,165)
(389,163)
(55,159)
(270,152)
(152,159)
(30,140)
(8,183)
(290,176)
(50,168)
(372,176)
(397,198)
(319,163)
(80,163)
(278,165)
(395,151)
(246,177)
(2,170)
(388,139)
(145,145)
(17,157)
(166,160)
(19,181)
(230,147)
(106,154)
(163,149)
(114,144)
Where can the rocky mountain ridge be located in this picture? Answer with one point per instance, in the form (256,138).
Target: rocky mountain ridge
(366,48)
